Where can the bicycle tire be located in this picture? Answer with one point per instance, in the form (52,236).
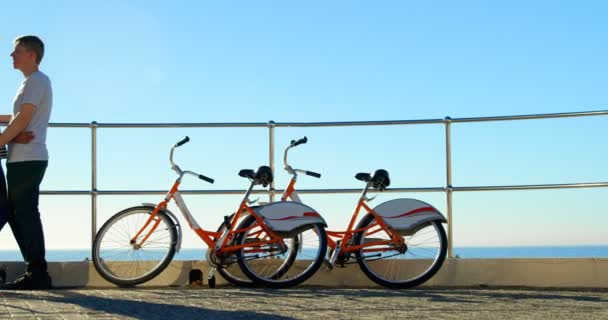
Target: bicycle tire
(392,267)
(287,274)
(123,256)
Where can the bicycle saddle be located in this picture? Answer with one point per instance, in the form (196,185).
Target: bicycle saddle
(262,176)
(362,176)
(247,173)
(381,180)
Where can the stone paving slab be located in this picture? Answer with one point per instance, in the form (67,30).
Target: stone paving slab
(304,303)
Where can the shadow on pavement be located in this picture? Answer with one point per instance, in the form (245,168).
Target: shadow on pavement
(447,295)
(132,308)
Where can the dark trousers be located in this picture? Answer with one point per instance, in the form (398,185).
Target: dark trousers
(24,180)
(4,206)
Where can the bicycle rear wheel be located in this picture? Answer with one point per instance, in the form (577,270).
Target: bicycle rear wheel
(401,267)
(127,263)
(284,264)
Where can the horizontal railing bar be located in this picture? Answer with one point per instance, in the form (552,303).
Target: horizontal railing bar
(326,124)
(334,191)
(533,116)
(185,125)
(158,125)
(358,123)
(246,124)
(70,125)
(359,190)
(67,192)
(533,187)
(193,192)
(231,192)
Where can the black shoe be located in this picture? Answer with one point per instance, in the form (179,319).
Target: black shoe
(30,282)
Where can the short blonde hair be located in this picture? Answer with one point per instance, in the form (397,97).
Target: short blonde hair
(32,43)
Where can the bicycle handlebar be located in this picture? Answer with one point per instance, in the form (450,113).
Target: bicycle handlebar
(291,170)
(202,177)
(185,140)
(299,142)
(312,174)
(178,170)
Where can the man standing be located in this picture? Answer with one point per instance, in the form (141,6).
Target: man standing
(27,162)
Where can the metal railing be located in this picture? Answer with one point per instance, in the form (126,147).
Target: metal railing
(448,189)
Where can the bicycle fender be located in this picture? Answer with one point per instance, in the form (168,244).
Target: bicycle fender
(178,245)
(287,216)
(408,214)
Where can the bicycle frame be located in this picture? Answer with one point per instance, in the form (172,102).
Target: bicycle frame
(221,245)
(343,237)
(342,242)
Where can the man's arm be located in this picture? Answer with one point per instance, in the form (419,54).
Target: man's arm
(24,137)
(21,121)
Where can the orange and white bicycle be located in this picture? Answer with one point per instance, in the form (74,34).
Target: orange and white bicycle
(398,244)
(138,243)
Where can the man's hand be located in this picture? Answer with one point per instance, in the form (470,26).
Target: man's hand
(23,137)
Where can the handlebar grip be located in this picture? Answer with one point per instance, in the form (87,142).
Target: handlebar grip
(202,177)
(186,139)
(299,142)
(313,174)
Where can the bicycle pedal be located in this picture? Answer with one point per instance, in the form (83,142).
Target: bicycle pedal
(328,264)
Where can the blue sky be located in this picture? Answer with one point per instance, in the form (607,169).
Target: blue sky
(245,61)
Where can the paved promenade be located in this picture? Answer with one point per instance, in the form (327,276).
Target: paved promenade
(304,303)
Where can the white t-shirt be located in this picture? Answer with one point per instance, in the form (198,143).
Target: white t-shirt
(36,90)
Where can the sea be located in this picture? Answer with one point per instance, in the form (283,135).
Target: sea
(186,254)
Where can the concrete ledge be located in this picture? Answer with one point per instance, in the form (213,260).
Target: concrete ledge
(561,273)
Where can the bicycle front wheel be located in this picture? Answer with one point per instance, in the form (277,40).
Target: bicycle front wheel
(401,266)
(124,262)
(288,263)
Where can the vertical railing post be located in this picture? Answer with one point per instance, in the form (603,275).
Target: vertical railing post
(448,188)
(271,127)
(93,183)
